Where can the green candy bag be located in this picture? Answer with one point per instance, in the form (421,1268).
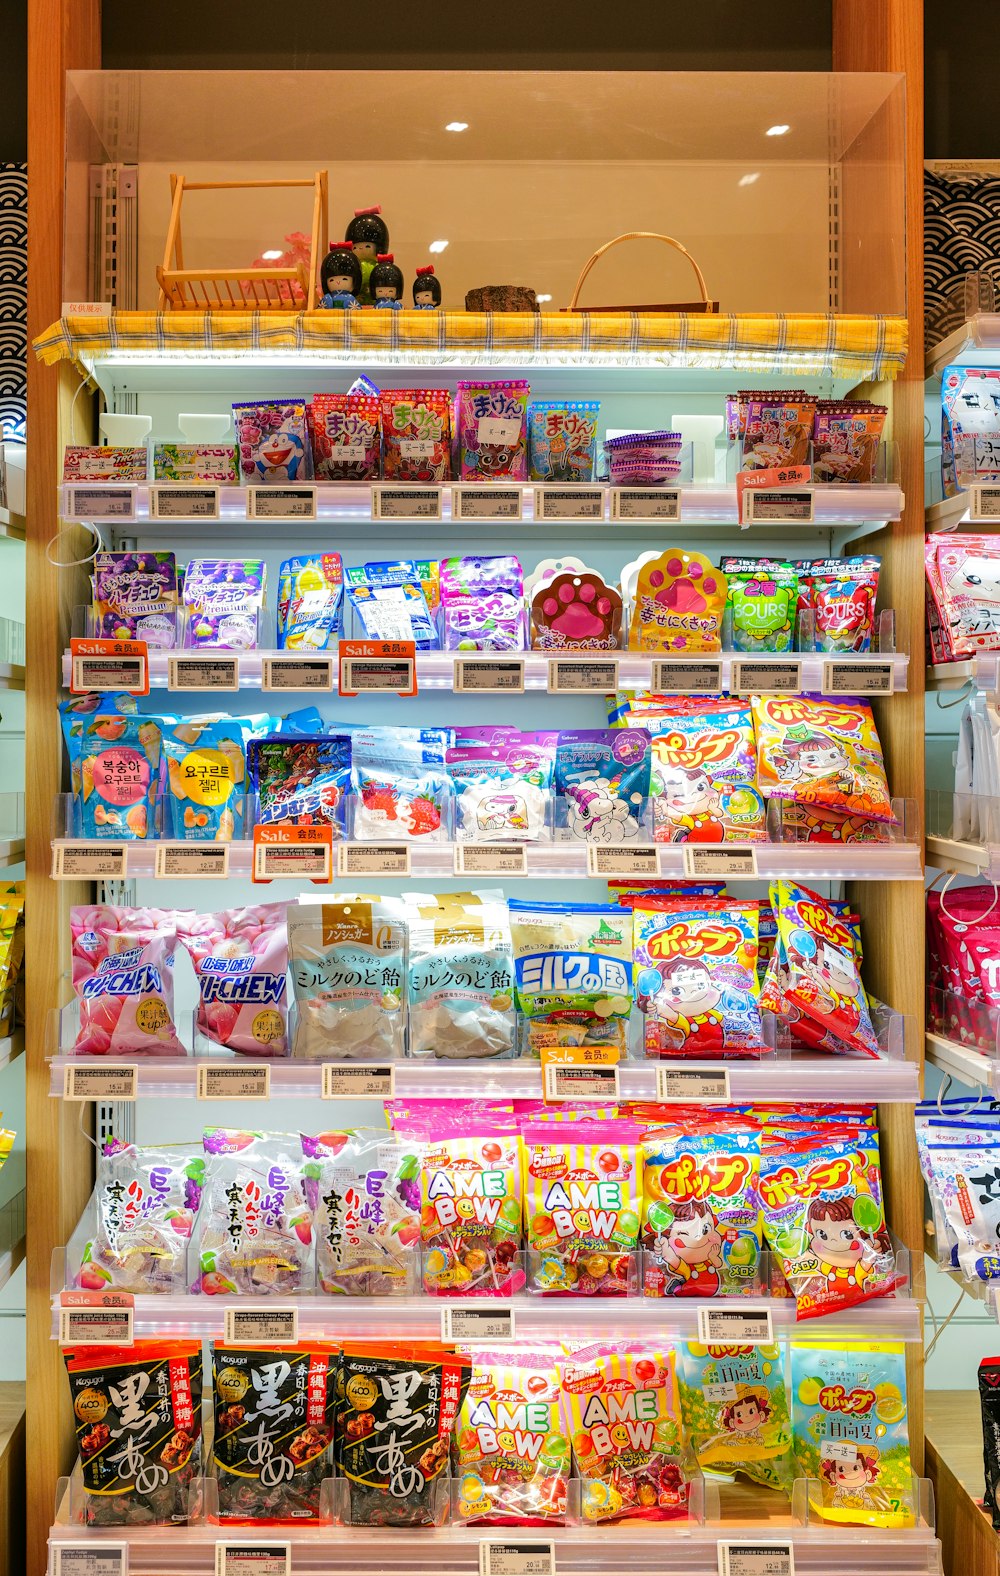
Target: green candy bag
(763,596)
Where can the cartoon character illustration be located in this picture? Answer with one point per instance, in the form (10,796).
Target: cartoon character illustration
(851,1480)
(972,591)
(747,1415)
(494,459)
(846,1254)
(597,815)
(689,802)
(688,1002)
(691,1250)
(809,756)
(500,810)
(280,455)
(836,982)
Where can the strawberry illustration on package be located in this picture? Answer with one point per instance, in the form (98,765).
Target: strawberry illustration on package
(696,977)
(821,752)
(816,965)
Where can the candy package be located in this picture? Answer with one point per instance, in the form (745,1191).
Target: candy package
(348,968)
(562,440)
(470,1189)
(254,1228)
(363,1190)
(117,769)
(602,785)
(135,598)
(461,976)
(504,792)
(678,604)
(272,440)
(389,601)
(397,1406)
(704,777)
(573,608)
(582,1198)
(344,432)
(643,459)
(965,1182)
(963,595)
(491,429)
(821,752)
(970,427)
(819,969)
(763,596)
(416,435)
(240,956)
(623,1417)
(510,1453)
(104,463)
(76,711)
(310,600)
(123,962)
(738,404)
(701,1227)
(735,1411)
(696,977)
(206,778)
(222,601)
(195,462)
(301,779)
(840,594)
(137,1414)
(846,438)
(573,973)
(401,786)
(778,431)
(274,1410)
(989,1403)
(146,1201)
(482,604)
(849,1414)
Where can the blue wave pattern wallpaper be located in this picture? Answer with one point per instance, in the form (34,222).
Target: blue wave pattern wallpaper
(13,297)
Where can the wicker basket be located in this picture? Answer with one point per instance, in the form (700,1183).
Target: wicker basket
(704,305)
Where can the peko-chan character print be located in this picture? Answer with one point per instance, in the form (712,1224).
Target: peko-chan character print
(692,1251)
(690,1003)
(845,1253)
(747,1414)
(852,1480)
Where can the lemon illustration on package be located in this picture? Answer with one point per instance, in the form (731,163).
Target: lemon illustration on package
(735,1410)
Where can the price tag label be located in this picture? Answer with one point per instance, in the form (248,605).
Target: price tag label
(358,1081)
(477,1324)
(576,675)
(614,861)
(505,676)
(718,859)
(571,503)
(105,665)
(90,1559)
(525,1557)
(406,503)
(692,1083)
(253,1559)
(686,678)
(491,859)
(378,667)
(114,1081)
(566,1081)
(373,859)
(744,1326)
(89,862)
(184,503)
(292,851)
(984,503)
(281,503)
(756,1559)
(780,507)
(203,672)
(486,503)
(296,673)
(88,1318)
(101,503)
(237,1082)
(192,861)
(645,503)
(768,678)
(858,678)
(253,1326)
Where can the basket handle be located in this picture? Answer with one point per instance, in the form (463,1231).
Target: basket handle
(638,235)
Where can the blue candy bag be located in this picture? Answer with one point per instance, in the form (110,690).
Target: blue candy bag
(602,785)
(118,771)
(301,779)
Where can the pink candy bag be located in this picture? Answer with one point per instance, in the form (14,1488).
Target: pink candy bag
(240,957)
(123,963)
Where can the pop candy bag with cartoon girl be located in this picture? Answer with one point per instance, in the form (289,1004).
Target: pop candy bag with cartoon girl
(582,1198)
(818,969)
(704,779)
(123,975)
(117,766)
(701,1226)
(850,1423)
(470,1218)
(510,1453)
(602,785)
(146,1203)
(240,956)
(821,752)
(573,973)
(623,1416)
(503,793)
(348,968)
(696,977)
(254,1227)
(824,1217)
(735,1410)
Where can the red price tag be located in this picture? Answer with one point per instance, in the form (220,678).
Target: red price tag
(109,665)
(372,667)
(303,852)
(773,476)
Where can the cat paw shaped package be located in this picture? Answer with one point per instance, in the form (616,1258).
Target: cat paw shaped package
(678,605)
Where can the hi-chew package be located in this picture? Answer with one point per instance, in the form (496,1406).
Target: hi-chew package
(696,977)
(491,429)
(562,440)
(222,600)
(253,1231)
(240,957)
(344,430)
(123,976)
(363,1190)
(573,973)
(735,1410)
(416,435)
(510,1454)
(348,968)
(116,767)
(460,976)
(272,440)
(470,1189)
(310,602)
(821,752)
(623,1416)
(582,1202)
(602,785)
(146,1201)
(701,1223)
(272,1448)
(135,597)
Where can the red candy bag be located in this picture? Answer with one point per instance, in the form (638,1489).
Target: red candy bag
(241,958)
(123,963)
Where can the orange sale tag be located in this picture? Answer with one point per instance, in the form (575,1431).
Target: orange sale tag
(109,665)
(770,478)
(281,849)
(377,666)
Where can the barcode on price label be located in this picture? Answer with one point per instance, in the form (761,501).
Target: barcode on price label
(605,859)
(712,859)
(747,1326)
(357,1081)
(250,1326)
(253,1559)
(780,507)
(858,678)
(296,673)
(477,1324)
(203,672)
(373,859)
(192,861)
(645,503)
(522,1558)
(96,1326)
(184,503)
(406,503)
(692,1083)
(486,503)
(756,1559)
(115,1081)
(88,862)
(565,1082)
(576,675)
(281,503)
(239,1082)
(491,859)
(686,678)
(577,503)
(770,678)
(102,1559)
(984,503)
(485,676)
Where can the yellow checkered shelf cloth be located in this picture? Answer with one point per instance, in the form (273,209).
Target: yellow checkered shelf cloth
(820,344)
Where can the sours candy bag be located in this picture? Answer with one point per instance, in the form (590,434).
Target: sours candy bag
(461,976)
(310,602)
(491,430)
(582,1198)
(470,1217)
(989,1402)
(735,1410)
(272,440)
(503,793)
(763,596)
(623,1418)
(562,440)
(137,1414)
(704,777)
(821,752)
(510,1454)
(344,432)
(123,961)
(695,972)
(701,1225)
(135,598)
(482,604)
(363,1190)
(849,1414)
(348,968)
(240,957)
(206,778)
(821,977)
(254,1227)
(840,593)
(416,435)
(602,782)
(146,1201)
(274,1413)
(118,771)
(400,783)
(572,973)
(301,779)
(222,599)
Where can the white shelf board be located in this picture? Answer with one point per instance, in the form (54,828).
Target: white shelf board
(963,1062)
(976,343)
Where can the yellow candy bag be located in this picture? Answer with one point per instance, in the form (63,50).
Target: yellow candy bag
(582,1188)
(821,752)
(735,1410)
(679,602)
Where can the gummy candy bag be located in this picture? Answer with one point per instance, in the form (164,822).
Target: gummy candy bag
(123,962)
(348,967)
(965,1183)
(623,1417)
(482,604)
(849,1413)
(562,440)
(602,782)
(310,600)
(573,973)
(735,1410)
(416,435)
(240,956)
(821,752)
(678,603)
(510,1452)
(704,777)
(74,714)
(701,1226)
(461,976)
(363,1190)
(223,598)
(763,596)
(400,784)
(146,1201)
(272,440)
(117,768)
(503,793)
(819,968)
(206,779)
(491,430)
(254,1227)
(470,1188)
(135,597)
(840,594)
(582,1197)
(301,779)
(696,977)
(344,431)
(573,608)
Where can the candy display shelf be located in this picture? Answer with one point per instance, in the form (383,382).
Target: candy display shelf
(975,344)
(947,513)
(982,673)
(963,1062)
(961,858)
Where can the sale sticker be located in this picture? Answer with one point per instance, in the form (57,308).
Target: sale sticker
(377,667)
(109,665)
(285,850)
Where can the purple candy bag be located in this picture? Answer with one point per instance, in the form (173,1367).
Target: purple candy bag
(222,598)
(482,604)
(135,597)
